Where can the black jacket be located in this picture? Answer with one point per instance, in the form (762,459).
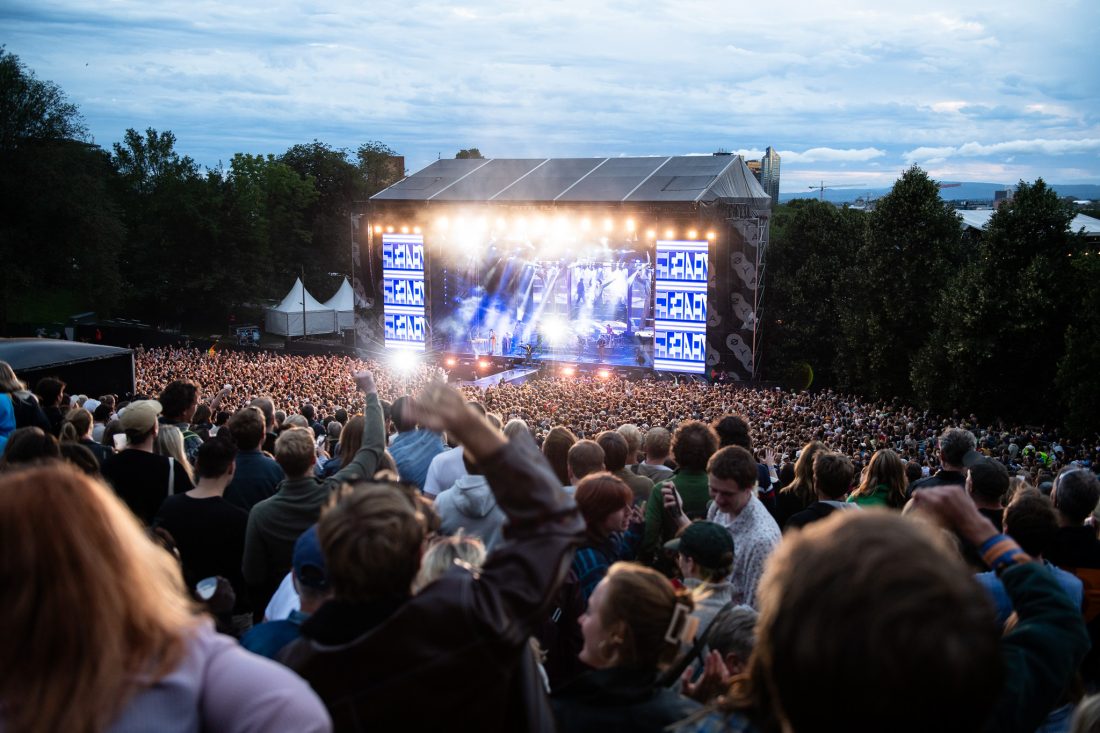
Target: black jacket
(619,699)
(455,657)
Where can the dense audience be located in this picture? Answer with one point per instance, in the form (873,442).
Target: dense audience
(573,554)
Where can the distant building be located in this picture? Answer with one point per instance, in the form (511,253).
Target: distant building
(769,174)
(1000,197)
(754,166)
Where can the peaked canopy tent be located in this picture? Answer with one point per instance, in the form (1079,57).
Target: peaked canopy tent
(715,198)
(343,304)
(300,310)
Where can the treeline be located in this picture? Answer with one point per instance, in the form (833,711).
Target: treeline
(902,303)
(143,231)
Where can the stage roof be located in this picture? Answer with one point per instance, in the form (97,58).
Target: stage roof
(688,179)
(35,353)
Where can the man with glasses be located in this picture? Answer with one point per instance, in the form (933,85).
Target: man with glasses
(1076,549)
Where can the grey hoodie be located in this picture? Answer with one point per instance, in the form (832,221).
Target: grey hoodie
(469,505)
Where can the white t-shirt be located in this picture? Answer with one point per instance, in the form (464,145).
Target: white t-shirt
(444,470)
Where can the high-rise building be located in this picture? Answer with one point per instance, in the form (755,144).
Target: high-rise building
(769,174)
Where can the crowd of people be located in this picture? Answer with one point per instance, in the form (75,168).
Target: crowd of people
(263,541)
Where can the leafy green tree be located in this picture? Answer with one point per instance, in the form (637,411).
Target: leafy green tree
(469,153)
(339,184)
(33,111)
(912,249)
(270,201)
(1078,379)
(171,216)
(1000,328)
(812,246)
(59,226)
(380,166)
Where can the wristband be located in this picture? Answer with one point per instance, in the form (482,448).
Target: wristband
(1001,551)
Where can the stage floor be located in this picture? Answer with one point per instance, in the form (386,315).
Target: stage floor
(615,356)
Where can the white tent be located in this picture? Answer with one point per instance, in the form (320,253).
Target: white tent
(286,318)
(343,303)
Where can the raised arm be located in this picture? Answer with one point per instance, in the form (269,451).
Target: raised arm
(366,459)
(521,576)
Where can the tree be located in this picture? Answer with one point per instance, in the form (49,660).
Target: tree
(270,201)
(59,226)
(338,184)
(32,110)
(1000,329)
(913,247)
(812,246)
(1078,379)
(469,153)
(380,166)
(172,214)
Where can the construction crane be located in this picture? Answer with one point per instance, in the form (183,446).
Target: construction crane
(822,186)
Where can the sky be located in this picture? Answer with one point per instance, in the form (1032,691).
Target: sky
(849,93)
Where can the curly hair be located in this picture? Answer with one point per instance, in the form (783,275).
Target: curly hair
(693,445)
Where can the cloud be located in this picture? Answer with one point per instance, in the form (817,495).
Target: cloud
(1011,147)
(833,155)
(835,89)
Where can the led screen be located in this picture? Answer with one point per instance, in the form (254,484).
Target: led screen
(680,307)
(403,291)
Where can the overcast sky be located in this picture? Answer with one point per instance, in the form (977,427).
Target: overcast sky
(847,92)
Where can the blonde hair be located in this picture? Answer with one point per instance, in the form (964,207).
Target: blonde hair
(444,553)
(78,423)
(295,451)
(8,381)
(93,612)
(170,443)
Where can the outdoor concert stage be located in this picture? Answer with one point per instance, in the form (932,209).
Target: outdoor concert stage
(640,263)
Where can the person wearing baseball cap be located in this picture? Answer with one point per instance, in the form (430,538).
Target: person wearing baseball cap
(139,476)
(311,583)
(705,557)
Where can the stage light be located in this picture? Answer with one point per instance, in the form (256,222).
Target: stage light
(416,230)
(630,225)
(404,230)
(555,329)
(501,224)
(389,230)
(651,234)
(404,362)
(450,361)
(711,236)
(603,373)
(377,228)
(482,363)
(586,224)
(443,222)
(568,371)
(692,234)
(669,233)
(608,225)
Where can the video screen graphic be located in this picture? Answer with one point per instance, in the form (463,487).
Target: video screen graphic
(680,306)
(403,291)
(588,301)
